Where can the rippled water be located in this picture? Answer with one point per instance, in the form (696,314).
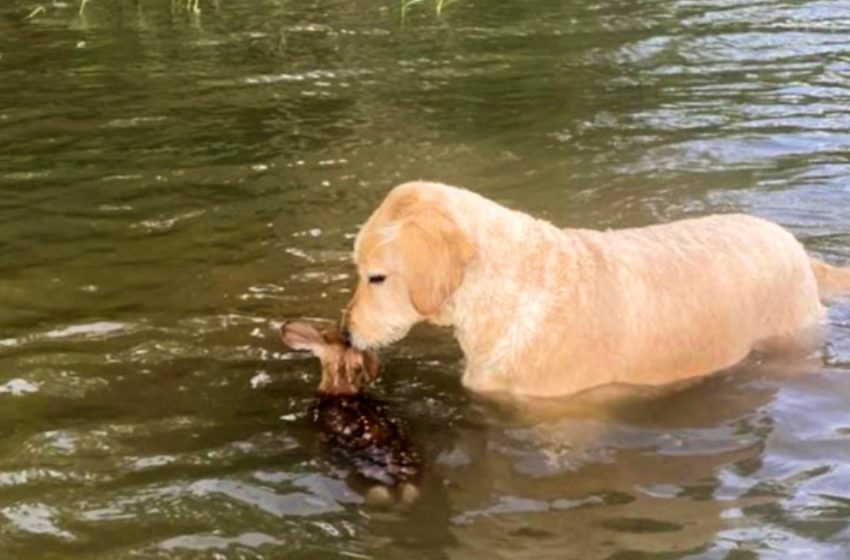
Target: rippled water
(174,183)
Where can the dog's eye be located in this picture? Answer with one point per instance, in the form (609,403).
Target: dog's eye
(377,278)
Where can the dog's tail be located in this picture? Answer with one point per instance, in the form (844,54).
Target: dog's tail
(832,280)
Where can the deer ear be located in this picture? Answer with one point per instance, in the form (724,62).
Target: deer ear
(433,253)
(302,336)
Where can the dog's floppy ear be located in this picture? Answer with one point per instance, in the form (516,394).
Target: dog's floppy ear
(433,253)
(302,336)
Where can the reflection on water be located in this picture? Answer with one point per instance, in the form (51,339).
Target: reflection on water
(174,183)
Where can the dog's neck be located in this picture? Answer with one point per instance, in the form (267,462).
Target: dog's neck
(519,299)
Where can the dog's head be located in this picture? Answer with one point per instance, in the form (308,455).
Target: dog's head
(410,257)
(345,370)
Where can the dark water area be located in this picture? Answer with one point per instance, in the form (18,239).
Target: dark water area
(175,183)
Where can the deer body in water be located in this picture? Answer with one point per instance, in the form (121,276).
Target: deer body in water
(354,427)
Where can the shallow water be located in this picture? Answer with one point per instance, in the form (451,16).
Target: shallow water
(174,183)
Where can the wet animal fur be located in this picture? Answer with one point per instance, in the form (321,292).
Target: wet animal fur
(544,311)
(354,427)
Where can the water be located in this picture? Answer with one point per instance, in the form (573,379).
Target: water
(172,184)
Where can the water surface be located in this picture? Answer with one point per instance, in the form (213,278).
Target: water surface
(173,183)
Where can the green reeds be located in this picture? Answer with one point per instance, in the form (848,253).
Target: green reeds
(439,6)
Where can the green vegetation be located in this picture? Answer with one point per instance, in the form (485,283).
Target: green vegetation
(439,5)
(193,6)
(189,6)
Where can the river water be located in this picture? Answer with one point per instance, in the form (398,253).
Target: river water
(174,183)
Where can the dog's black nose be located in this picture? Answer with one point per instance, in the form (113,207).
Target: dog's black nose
(346,335)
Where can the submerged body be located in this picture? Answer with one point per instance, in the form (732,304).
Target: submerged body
(358,430)
(544,311)
(355,428)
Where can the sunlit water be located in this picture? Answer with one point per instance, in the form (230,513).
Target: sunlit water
(172,184)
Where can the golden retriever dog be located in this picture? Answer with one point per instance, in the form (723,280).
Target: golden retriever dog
(544,311)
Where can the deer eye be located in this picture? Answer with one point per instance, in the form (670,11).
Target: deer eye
(377,278)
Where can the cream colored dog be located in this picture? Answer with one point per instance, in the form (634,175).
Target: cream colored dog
(543,311)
